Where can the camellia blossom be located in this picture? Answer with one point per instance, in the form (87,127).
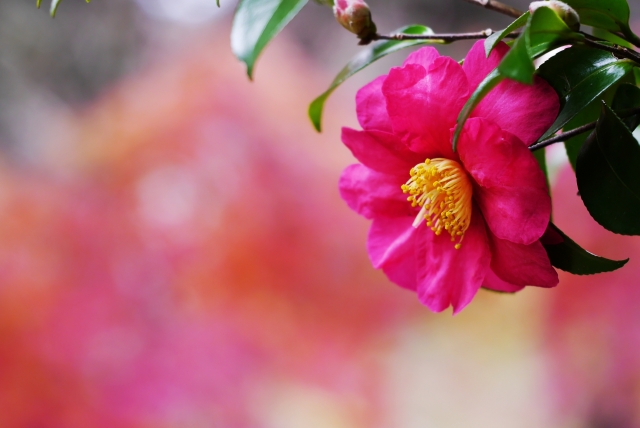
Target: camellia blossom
(446,223)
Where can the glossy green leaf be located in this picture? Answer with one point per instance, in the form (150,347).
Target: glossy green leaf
(607,14)
(496,37)
(256,22)
(570,257)
(627,97)
(580,75)
(367,56)
(543,32)
(518,63)
(587,115)
(607,175)
(489,82)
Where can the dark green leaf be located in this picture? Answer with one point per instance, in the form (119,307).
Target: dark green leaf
(587,115)
(607,174)
(570,257)
(607,14)
(368,55)
(547,30)
(256,22)
(517,63)
(580,75)
(627,97)
(489,82)
(218,3)
(543,32)
(496,37)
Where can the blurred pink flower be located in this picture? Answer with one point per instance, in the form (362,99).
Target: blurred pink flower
(490,196)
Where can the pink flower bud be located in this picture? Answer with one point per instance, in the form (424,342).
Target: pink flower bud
(563,10)
(355,16)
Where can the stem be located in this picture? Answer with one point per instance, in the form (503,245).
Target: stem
(445,38)
(579,130)
(498,7)
(615,49)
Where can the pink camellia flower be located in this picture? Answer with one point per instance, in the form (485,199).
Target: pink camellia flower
(446,223)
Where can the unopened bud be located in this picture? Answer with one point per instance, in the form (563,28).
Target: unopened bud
(355,16)
(563,10)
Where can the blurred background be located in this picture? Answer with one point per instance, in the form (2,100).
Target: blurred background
(174,252)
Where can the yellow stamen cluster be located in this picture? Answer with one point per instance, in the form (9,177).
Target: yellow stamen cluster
(443,190)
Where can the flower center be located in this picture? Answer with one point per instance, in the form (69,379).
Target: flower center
(443,190)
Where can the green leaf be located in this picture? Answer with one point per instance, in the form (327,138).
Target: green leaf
(38,2)
(579,75)
(627,97)
(607,14)
(587,115)
(570,257)
(54,8)
(517,63)
(489,82)
(610,37)
(218,3)
(543,32)
(368,55)
(256,22)
(607,175)
(496,37)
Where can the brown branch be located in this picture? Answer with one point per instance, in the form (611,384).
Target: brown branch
(579,130)
(619,51)
(444,38)
(498,7)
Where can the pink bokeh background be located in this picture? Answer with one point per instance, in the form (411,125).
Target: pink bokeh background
(178,256)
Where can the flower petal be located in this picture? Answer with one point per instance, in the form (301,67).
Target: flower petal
(512,191)
(476,64)
(423,56)
(381,151)
(493,282)
(391,247)
(526,111)
(373,194)
(447,276)
(371,107)
(522,264)
(423,104)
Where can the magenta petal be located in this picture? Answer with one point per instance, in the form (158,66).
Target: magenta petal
(371,107)
(447,276)
(424,57)
(493,282)
(512,191)
(522,264)
(476,64)
(391,247)
(381,151)
(423,104)
(526,111)
(372,194)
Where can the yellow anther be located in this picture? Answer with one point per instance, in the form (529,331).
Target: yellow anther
(442,189)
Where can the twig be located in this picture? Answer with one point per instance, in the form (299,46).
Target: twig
(617,50)
(445,38)
(498,7)
(579,130)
